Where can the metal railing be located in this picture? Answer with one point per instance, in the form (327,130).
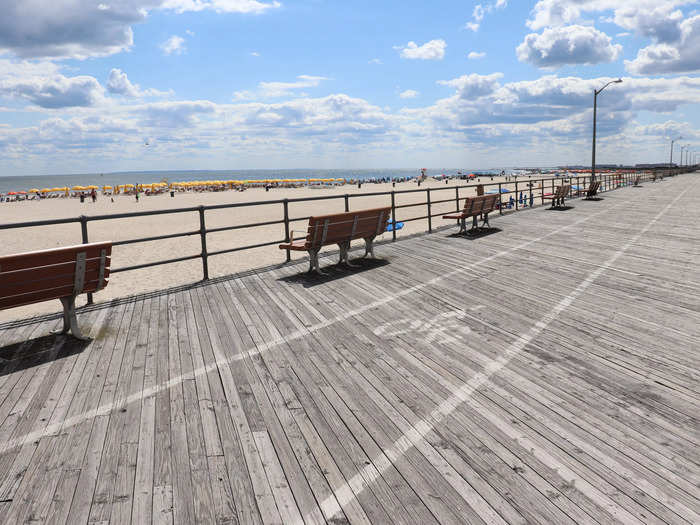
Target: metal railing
(523,196)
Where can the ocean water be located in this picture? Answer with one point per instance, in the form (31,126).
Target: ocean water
(25,183)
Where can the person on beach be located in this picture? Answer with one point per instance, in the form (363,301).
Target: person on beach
(93,195)
(136,194)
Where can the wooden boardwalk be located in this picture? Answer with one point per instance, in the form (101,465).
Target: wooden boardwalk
(546,373)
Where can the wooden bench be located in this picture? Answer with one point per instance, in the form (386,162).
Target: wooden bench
(558,196)
(61,273)
(474,207)
(592,190)
(340,229)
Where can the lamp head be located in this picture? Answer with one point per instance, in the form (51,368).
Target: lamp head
(618,81)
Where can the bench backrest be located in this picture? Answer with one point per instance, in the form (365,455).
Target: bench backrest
(480,204)
(562,191)
(593,188)
(33,277)
(342,227)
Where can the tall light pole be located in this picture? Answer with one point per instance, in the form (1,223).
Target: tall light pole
(681,164)
(597,92)
(670,162)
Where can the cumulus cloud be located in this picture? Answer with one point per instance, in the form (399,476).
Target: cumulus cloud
(280,89)
(474,55)
(67,28)
(118,83)
(550,106)
(375,61)
(173,45)
(42,84)
(575,44)
(433,50)
(409,93)
(683,57)
(79,29)
(474,86)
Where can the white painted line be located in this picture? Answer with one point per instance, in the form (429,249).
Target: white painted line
(118,404)
(462,394)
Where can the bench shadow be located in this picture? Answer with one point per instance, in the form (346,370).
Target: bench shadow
(595,199)
(34,352)
(561,208)
(478,234)
(333,272)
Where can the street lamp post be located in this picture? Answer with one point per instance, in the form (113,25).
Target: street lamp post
(670,162)
(687,151)
(681,164)
(597,92)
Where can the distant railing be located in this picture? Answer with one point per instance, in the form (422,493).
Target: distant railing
(523,196)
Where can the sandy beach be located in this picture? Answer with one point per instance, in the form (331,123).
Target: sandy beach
(165,276)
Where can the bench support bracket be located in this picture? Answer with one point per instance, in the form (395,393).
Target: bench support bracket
(369,247)
(345,254)
(70,322)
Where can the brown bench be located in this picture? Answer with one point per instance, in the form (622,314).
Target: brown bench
(340,229)
(474,207)
(61,273)
(558,196)
(592,190)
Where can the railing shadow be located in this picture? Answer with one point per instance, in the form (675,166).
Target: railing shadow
(332,272)
(34,352)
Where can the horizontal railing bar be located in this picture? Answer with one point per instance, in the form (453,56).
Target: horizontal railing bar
(410,205)
(230,250)
(241,226)
(156,238)
(155,263)
(32,224)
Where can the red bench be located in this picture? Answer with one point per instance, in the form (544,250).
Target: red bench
(340,229)
(474,207)
(60,273)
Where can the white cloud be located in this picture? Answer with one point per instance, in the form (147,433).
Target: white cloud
(254,54)
(280,89)
(221,6)
(189,32)
(474,55)
(375,61)
(409,93)
(433,50)
(474,86)
(575,44)
(480,11)
(683,57)
(173,45)
(118,83)
(81,29)
(65,28)
(42,84)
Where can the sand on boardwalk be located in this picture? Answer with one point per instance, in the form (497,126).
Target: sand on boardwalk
(165,276)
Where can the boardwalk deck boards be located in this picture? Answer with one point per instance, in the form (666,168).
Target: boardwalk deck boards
(277,397)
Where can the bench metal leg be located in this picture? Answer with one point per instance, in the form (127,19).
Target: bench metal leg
(369,247)
(485,219)
(313,262)
(70,321)
(345,255)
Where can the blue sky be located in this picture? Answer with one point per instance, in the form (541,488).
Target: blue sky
(98,86)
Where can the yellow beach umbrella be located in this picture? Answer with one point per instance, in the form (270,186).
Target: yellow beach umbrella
(34,190)
(78,188)
(91,187)
(46,190)
(107,188)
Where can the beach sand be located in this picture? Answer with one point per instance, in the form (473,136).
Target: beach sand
(165,276)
